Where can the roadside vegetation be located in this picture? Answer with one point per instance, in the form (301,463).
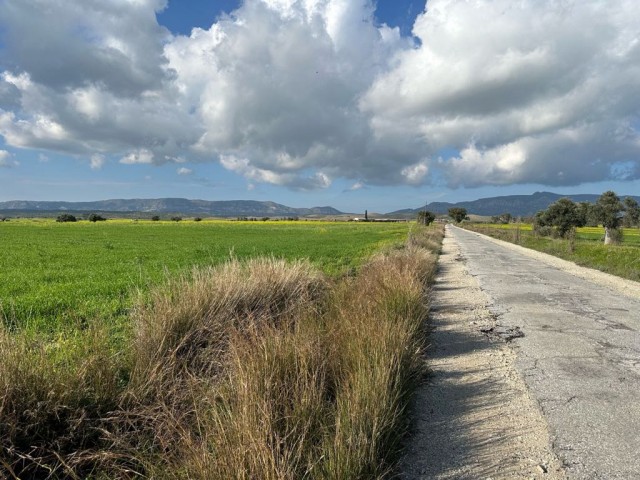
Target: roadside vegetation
(253,368)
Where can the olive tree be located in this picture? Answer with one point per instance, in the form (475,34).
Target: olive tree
(458,214)
(631,213)
(425,217)
(608,211)
(564,216)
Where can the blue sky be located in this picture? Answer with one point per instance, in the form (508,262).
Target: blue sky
(318,102)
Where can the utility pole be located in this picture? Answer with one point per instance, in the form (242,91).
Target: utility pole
(424,219)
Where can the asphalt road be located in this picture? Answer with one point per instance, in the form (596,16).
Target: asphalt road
(580,354)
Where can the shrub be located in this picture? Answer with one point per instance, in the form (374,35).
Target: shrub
(197,219)
(155,218)
(96,218)
(176,219)
(66,217)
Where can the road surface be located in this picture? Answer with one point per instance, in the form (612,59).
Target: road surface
(579,356)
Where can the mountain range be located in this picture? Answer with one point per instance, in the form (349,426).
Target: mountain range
(230,208)
(517,205)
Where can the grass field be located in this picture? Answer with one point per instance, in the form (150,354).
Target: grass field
(56,274)
(587,250)
(594,234)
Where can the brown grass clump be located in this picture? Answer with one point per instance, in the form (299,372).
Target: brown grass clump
(186,325)
(54,394)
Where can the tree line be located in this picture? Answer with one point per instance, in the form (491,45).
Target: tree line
(562,217)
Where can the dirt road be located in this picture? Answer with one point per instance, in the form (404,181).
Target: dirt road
(579,359)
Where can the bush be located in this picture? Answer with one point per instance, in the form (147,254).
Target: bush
(155,218)
(616,236)
(176,219)
(66,217)
(96,218)
(197,219)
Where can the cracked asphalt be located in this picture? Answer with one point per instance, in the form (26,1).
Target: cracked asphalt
(580,354)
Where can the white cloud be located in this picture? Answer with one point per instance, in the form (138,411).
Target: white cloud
(416,173)
(522,89)
(184,171)
(299,92)
(97,161)
(143,156)
(5,160)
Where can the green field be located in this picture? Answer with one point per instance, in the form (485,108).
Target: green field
(594,234)
(56,274)
(587,250)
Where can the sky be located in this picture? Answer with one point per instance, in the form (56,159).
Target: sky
(355,104)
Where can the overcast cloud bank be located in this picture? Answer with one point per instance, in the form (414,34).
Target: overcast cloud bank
(301,92)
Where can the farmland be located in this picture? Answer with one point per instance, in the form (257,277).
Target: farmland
(56,274)
(586,249)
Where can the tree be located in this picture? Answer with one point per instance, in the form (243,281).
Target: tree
(631,213)
(607,210)
(66,217)
(176,219)
(585,212)
(155,218)
(563,215)
(458,214)
(425,217)
(96,218)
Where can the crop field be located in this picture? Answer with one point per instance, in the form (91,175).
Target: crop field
(57,274)
(587,250)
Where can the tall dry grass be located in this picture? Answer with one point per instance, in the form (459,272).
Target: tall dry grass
(258,369)
(54,397)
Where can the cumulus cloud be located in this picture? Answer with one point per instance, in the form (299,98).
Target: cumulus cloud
(184,171)
(298,93)
(531,91)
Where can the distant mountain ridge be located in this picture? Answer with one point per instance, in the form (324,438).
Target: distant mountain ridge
(226,208)
(518,205)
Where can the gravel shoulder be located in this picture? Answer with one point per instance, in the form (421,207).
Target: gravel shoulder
(473,418)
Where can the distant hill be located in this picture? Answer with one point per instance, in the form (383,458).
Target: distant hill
(231,208)
(517,205)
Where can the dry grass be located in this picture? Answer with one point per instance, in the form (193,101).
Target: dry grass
(54,395)
(259,369)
